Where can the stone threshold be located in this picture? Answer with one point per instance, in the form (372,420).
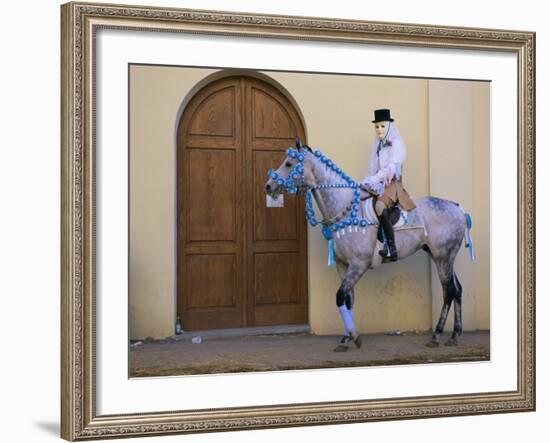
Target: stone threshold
(243,332)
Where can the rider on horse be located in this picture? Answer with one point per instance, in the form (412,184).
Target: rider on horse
(385,174)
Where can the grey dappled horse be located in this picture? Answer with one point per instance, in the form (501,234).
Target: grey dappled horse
(445,222)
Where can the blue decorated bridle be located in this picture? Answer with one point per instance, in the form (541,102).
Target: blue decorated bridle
(294,183)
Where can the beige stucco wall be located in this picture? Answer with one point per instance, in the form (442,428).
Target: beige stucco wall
(337,112)
(481,116)
(459,171)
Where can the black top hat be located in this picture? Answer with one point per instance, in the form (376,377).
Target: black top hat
(382,115)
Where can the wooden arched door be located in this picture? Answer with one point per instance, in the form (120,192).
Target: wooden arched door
(239,262)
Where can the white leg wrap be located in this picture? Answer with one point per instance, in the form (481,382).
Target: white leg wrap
(348,319)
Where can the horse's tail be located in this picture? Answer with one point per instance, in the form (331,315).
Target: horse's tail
(468,241)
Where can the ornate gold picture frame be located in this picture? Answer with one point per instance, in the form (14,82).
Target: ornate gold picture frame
(80,24)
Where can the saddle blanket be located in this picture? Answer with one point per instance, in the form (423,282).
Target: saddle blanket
(407,219)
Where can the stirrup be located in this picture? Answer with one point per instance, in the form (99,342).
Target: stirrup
(384,252)
(387,256)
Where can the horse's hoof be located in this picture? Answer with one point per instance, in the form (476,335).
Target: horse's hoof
(358,342)
(452,342)
(432,344)
(341,348)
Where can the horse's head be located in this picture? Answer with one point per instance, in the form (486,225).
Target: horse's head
(290,176)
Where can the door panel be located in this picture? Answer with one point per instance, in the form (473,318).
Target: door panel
(211,194)
(271,121)
(211,281)
(276,278)
(215,116)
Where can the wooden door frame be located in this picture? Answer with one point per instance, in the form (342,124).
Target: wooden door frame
(195,92)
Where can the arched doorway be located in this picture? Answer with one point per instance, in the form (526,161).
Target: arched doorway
(239,262)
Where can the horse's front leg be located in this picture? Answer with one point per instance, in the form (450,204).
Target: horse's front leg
(345,298)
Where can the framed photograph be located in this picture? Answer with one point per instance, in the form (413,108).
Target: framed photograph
(277,221)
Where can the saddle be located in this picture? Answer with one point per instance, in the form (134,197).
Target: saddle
(398,217)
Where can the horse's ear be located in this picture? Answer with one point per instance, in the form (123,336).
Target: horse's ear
(298,143)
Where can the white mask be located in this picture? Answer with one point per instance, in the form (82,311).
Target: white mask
(381,129)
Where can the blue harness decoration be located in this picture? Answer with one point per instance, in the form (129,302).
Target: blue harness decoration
(294,183)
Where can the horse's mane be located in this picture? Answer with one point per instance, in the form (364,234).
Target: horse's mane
(333,164)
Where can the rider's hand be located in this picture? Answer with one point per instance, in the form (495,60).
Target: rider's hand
(369,181)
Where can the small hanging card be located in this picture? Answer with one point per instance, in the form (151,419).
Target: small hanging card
(278,202)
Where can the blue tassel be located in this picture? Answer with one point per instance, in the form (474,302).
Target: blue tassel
(470,244)
(327,232)
(331,252)
(468,220)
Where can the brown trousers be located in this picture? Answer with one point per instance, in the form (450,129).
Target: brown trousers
(396,193)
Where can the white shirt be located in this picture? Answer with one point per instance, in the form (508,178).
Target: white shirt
(386,165)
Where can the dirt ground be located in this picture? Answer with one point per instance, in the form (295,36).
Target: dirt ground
(296,351)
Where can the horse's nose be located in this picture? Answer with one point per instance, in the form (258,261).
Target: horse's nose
(268,187)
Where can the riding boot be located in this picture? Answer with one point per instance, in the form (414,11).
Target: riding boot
(387,227)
